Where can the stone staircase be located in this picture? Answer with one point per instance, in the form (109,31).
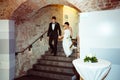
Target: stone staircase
(50,67)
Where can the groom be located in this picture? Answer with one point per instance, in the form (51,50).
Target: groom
(54,32)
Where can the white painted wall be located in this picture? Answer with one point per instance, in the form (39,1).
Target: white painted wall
(7,50)
(100,35)
(71,15)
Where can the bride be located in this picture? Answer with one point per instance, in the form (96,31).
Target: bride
(67,42)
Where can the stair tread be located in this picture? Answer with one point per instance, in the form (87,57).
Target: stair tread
(55,60)
(58,63)
(53,66)
(53,72)
(58,56)
(31,77)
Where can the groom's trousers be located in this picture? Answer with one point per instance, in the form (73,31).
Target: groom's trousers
(53,44)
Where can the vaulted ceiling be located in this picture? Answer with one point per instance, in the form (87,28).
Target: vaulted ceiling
(30,8)
(25,9)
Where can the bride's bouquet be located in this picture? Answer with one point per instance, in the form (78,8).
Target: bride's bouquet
(90,58)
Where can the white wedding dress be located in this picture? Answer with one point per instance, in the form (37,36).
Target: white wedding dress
(67,43)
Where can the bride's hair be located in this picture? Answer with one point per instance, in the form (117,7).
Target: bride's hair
(67,23)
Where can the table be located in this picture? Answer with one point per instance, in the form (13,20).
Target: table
(92,71)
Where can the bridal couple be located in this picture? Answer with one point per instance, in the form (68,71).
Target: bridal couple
(54,33)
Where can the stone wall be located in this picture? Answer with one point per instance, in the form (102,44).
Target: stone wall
(29,31)
(25,61)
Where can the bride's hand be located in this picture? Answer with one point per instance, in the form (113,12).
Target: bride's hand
(60,37)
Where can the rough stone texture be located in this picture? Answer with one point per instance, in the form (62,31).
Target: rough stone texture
(24,61)
(43,16)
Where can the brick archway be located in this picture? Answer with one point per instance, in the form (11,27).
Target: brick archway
(9,7)
(29,8)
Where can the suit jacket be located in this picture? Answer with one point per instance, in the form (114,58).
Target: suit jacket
(56,32)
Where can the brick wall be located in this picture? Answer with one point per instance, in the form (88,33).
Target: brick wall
(7,7)
(108,4)
(27,8)
(93,5)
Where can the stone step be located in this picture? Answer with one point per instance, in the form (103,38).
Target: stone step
(32,77)
(58,58)
(54,68)
(55,63)
(60,54)
(58,50)
(59,42)
(50,74)
(61,50)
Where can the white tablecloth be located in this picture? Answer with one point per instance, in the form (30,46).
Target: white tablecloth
(92,71)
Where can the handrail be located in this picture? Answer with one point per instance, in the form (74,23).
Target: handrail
(30,45)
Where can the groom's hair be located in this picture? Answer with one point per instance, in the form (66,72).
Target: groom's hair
(67,23)
(53,17)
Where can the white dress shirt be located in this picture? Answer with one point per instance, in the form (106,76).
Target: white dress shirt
(53,26)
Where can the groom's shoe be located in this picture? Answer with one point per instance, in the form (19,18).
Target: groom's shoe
(54,54)
(51,51)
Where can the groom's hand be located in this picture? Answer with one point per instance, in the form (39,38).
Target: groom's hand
(59,37)
(47,38)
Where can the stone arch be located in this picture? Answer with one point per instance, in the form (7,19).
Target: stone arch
(29,8)
(9,7)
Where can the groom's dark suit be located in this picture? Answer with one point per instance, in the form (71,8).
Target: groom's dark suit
(53,36)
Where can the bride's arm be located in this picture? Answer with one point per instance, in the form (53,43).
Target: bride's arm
(71,32)
(62,36)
